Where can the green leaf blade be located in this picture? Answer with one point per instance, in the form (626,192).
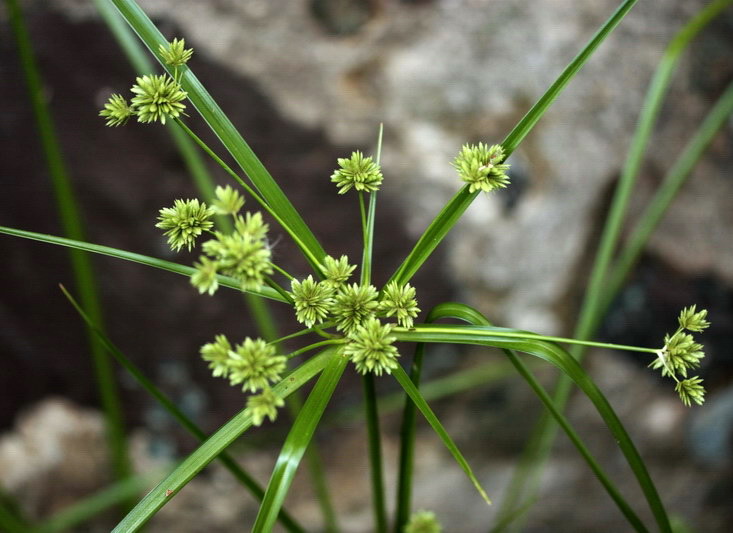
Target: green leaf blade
(297,442)
(212,447)
(162,264)
(482,335)
(226,132)
(449,215)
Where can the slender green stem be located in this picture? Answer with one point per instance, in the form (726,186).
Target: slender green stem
(454,209)
(375,453)
(311,347)
(189,425)
(283,271)
(525,483)
(517,334)
(282,292)
(306,251)
(142,64)
(367,221)
(73,228)
(407,446)
(89,507)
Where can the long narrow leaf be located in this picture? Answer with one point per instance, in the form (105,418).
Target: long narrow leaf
(162,264)
(406,383)
(297,442)
(72,224)
(227,133)
(472,316)
(482,336)
(449,215)
(189,425)
(214,445)
(600,292)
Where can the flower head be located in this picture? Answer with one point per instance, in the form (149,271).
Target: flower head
(399,301)
(481,167)
(240,256)
(228,201)
(680,353)
(313,300)
(217,354)
(358,172)
(254,364)
(338,271)
(423,522)
(157,98)
(352,305)
(117,111)
(370,347)
(693,321)
(174,54)
(264,405)
(691,390)
(204,279)
(251,224)
(184,222)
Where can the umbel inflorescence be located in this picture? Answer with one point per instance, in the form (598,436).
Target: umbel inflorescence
(357,317)
(681,354)
(156,98)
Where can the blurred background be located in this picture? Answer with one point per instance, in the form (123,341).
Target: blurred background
(307,82)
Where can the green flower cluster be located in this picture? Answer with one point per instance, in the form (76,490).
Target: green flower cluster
(184,222)
(243,254)
(349,305)
(357,172)
(681,353)
(354,310)
(254,365)
(482,167)
(157,98)
(423,522)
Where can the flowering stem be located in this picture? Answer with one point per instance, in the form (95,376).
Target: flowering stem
(282,292)
(516,334)
(375,453)
(313,346)
(282,271)
(311,258)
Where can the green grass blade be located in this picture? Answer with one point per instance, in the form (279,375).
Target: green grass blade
(213,446)
(258,309)
(404,380)
(297,441)
(11,519)
(472,316)
(482,335)
(140,60)
(529,120)
(225,130)
(449,215)
(407,446)
(661,201)
(591,312)
(189,425)
(376,467)
(224,281)
(600,293)
(73,227)
(89,507)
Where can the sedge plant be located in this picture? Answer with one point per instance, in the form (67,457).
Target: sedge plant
(346,320)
